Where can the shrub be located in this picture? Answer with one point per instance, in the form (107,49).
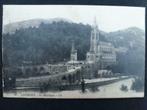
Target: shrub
(124,88)
(138,85)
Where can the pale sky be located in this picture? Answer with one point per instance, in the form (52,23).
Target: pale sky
(109,18)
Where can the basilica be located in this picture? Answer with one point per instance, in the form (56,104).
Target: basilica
(102,53)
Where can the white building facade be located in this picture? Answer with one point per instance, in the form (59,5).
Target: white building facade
(100,52)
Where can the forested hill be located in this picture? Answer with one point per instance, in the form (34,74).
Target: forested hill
(51,42)
(132,42)
(47,43)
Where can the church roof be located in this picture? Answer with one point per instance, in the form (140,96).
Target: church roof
(105,43)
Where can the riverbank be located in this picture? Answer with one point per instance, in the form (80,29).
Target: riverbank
(107,91)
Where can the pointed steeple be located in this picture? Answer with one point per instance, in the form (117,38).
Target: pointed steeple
(92,55)
(95,22)
(73,47)
(73,55)
(96,29)
(94,37)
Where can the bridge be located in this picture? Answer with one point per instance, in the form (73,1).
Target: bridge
(69,77)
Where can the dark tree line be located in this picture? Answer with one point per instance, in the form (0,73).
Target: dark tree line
(48,43)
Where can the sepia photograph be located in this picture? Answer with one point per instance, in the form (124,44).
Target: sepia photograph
(73,51)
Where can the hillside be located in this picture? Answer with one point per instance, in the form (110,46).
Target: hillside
(132,40)
(12,27)
(41,42)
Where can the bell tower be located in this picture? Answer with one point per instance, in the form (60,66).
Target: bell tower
(73,55)
(91,55)
(94,37)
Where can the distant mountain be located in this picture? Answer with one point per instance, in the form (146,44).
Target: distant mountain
(130,45)
(12,27)
(129,37)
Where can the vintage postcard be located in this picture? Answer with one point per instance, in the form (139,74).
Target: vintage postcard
(73,51)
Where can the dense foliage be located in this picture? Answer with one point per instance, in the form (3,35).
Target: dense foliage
(138,84)
(133,60)
(48,43)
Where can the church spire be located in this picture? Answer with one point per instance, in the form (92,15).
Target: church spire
(73,47)
(73,56)
(95,22)
(94,37)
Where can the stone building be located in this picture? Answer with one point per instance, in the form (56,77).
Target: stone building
(107,54)
(92,55)
(100,52)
